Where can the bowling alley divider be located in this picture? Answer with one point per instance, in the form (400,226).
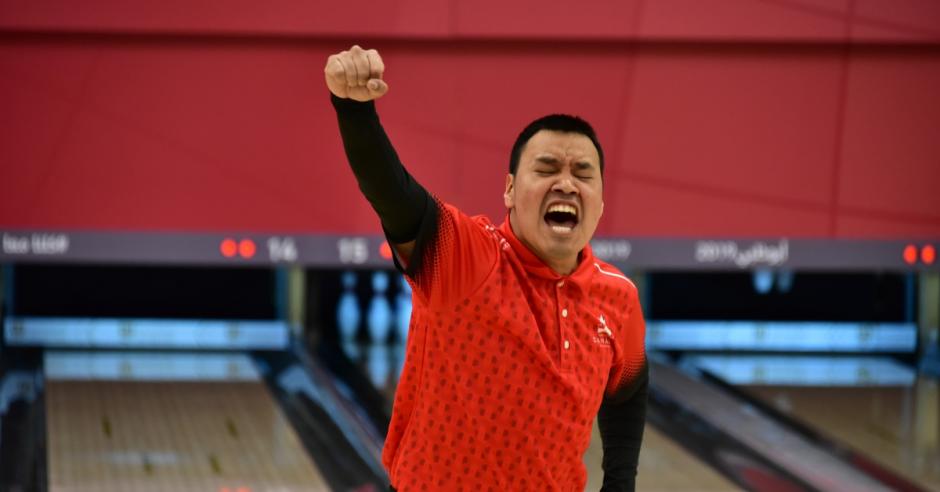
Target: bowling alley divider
(785,454)
(239,249)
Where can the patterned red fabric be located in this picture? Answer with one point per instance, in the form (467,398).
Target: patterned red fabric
(506,363)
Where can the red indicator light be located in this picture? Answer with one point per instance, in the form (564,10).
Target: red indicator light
(246,248)
(385,251)
(910,254)
(928,254)
(228,248)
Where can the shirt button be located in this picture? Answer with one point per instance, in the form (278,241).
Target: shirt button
(567,344)
(561,283)
(564,313)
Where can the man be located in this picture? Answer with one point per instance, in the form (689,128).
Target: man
(519,337)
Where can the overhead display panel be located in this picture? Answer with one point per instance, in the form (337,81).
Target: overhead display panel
(330,250)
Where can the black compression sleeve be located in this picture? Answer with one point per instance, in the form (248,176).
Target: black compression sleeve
(396,197)
(621,420)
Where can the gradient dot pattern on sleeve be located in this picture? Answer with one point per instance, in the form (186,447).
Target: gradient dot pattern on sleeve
(506,363)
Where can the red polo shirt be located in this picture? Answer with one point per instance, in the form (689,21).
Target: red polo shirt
(506,363)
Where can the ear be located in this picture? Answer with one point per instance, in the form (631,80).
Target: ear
(509,194)
(602,210)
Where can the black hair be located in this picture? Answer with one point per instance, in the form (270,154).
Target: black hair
(554,122)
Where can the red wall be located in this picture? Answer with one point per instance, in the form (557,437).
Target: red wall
(810,118)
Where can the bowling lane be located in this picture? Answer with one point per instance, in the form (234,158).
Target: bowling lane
(874,406)
(214,428)
(664,464)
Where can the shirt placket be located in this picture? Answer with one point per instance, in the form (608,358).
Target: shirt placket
(565,317)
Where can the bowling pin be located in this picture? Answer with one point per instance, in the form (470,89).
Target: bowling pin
(353,351)
(378,364)
(379,320)
(403,309)
(763,279)
(348,314)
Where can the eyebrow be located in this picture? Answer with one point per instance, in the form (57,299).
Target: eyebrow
(554,161)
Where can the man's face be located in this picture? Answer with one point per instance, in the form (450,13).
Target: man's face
(555,198)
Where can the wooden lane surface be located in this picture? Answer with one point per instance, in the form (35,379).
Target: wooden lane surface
(664,466)
(898,427)
(105,436)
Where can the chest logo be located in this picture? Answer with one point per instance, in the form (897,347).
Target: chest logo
(604,335)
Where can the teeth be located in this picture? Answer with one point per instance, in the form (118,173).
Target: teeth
(564,209)
(561,229)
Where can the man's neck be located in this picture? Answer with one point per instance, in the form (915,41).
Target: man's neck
(563,268)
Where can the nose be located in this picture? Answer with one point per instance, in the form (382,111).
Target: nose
(565,184)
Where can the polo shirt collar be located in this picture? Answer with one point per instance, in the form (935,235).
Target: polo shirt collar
(535,266)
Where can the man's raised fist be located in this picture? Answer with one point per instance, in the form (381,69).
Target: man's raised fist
(356,74)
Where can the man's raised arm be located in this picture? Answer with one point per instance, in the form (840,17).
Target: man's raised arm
(354,78)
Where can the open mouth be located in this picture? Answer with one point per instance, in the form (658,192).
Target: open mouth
(561,218)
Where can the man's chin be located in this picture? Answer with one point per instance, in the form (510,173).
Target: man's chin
(552,247)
